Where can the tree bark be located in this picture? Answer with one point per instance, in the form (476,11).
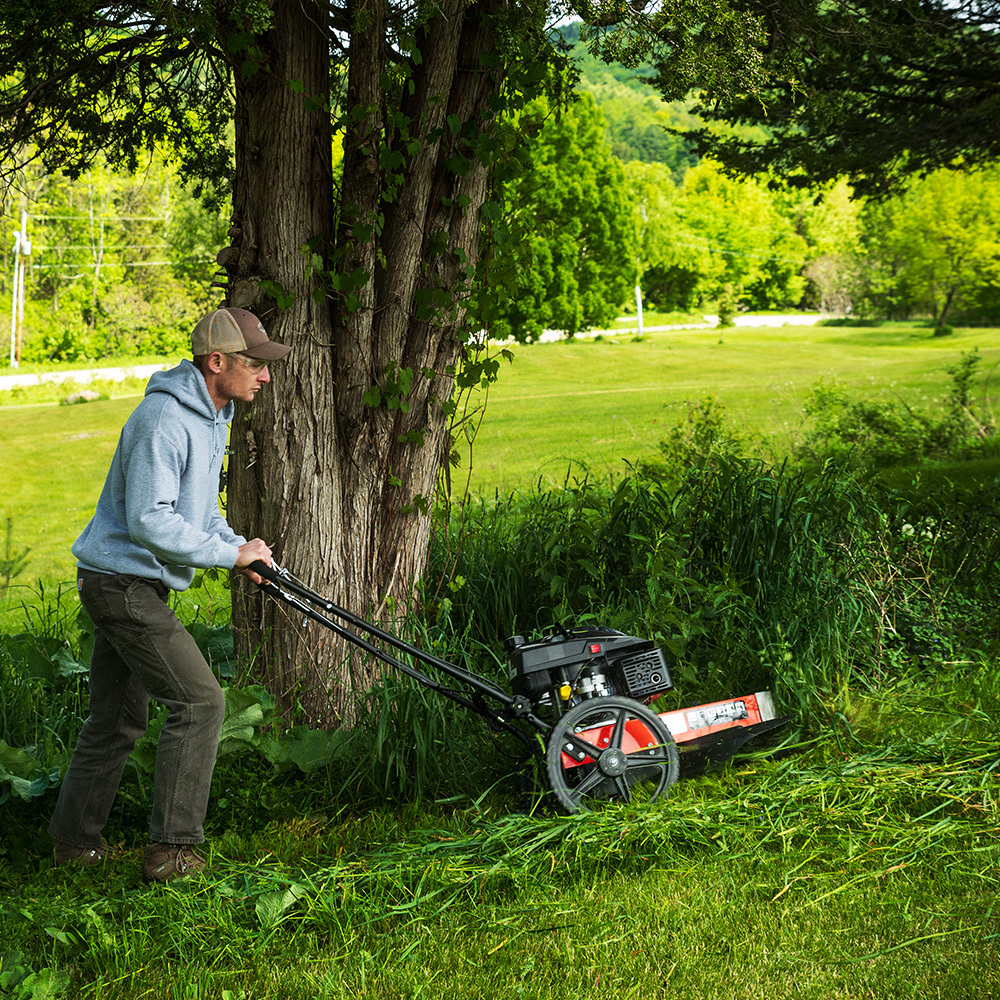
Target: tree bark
(946,305)
(330,480)
(282,462)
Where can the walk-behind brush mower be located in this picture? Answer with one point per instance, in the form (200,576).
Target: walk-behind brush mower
(582,694)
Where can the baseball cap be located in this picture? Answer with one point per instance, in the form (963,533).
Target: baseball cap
(229,330)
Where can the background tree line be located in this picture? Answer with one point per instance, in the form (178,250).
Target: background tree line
(612,198)
(119,262)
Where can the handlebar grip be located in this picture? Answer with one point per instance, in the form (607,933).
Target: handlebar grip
(262,569)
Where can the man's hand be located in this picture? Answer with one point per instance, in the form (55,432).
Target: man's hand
(250,552)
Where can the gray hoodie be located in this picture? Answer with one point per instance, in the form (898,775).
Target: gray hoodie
(158,514)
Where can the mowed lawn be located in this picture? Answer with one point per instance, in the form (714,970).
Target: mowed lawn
(595,405)
(53,464)
(559,409)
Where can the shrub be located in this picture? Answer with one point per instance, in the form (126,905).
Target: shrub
(861,432)
(732,571)
(849,321)
(71,342)
(701,437)
(886,432)
(727,306)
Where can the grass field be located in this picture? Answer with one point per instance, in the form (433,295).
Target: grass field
(861,862)
(597,404)
(558,409)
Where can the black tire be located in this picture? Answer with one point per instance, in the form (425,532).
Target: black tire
(634,756)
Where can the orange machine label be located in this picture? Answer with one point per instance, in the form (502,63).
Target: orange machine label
(690,723)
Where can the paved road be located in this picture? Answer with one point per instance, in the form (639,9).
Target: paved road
(79,375)
(710,321)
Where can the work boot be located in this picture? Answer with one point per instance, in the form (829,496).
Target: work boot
(86,856)
(165,862)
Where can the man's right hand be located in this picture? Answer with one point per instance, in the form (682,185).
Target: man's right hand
(250,552)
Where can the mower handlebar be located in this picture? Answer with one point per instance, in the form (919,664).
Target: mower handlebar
(283,579)
(267,572)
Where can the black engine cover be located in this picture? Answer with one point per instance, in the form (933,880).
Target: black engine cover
(635,667)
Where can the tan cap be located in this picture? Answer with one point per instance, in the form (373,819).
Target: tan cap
(231,330)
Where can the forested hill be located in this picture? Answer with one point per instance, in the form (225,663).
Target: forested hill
(638,121)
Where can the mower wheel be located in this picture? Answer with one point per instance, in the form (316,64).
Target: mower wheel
(610,749)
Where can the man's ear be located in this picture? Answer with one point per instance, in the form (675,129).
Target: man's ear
(214,362)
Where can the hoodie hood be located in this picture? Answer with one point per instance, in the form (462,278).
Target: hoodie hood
(158,514)
(187,385)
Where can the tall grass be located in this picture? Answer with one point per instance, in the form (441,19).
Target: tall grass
(750,575)
(406,858)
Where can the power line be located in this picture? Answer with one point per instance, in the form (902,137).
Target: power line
(138,263)
(101,218)
(89,246)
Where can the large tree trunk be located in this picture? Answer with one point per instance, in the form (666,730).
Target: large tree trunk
(330,477)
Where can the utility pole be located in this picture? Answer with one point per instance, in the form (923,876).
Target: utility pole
(638,271)
(22,249)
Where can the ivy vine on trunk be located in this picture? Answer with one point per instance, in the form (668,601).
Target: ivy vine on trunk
(332,466)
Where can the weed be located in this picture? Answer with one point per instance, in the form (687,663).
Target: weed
(13,561)
(887,432)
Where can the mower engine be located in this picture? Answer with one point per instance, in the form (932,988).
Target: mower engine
(574,665)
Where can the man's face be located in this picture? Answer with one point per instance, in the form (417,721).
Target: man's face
(241,377)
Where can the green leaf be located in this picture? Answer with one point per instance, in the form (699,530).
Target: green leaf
(216,645)
(372,396)
(57,934)
(458,165)
(309,749)
(272,906)
(34,654)
(67,665)
(245,714)
(277,291)
(416,436)
(45,983)
(391,159)
(16,761)
(238,41)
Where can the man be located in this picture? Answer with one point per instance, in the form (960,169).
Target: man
(156,520)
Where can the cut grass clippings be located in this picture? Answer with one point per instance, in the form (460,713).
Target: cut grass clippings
(868,872)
